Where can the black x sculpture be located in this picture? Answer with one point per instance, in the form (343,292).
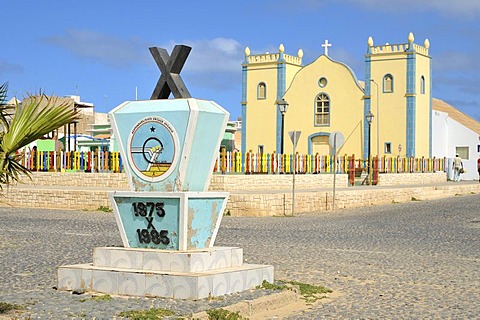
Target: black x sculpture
(170,66)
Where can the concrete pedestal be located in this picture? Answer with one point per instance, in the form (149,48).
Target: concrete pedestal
(193,274)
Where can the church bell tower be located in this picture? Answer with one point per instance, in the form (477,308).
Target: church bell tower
(398,93)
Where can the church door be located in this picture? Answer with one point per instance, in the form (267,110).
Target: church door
(320,145)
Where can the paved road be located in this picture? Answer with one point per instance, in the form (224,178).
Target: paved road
(419,260)
(405,261)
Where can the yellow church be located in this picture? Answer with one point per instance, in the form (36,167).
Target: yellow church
(390,112)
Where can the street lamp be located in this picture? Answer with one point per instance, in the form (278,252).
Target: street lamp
(369,118)
(282,106)
(378,119)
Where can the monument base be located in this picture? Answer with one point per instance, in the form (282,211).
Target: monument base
(193,274)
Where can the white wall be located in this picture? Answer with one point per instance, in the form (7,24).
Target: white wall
(447,134)
(439,134)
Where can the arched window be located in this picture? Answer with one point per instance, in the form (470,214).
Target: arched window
(262,91)
(422,85)
(388,83)
(322,110)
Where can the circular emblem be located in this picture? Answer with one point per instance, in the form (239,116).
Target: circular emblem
(152,149)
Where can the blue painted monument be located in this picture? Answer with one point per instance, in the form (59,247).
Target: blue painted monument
(168,221)
(170,148)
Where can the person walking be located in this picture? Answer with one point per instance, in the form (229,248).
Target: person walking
(478,168)
(457,166)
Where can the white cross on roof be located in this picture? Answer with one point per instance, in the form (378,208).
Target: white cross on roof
(326,45)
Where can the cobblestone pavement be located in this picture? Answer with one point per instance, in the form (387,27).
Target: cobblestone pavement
(419,260)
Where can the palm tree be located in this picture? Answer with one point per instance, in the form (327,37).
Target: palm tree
(23,124)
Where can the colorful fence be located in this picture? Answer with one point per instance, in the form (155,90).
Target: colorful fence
(100,161)
(277,163)
(236,162)
(253,163)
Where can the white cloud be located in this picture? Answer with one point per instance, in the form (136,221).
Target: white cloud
(455,61)
(449,8)
(110,50)
(344,56)
(217,55)
(468,8)
(9,68)
(213,64)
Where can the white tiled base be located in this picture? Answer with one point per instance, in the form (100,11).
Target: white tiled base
(167,260)
(183,275)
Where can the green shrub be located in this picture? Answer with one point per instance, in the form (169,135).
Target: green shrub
(222,314)
(5,307)
(152,314)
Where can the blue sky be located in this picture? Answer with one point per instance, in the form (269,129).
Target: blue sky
(99,49)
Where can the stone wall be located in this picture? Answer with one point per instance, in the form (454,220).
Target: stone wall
(114,181)
(232,182)
(314,181)
(55,198)
(266,182)
(250,195)
(396,179)
(279,204)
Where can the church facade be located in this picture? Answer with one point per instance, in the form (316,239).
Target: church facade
(325,96)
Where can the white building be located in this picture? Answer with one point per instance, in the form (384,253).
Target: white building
(455,132)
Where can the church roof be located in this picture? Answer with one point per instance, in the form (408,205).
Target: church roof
(455,114)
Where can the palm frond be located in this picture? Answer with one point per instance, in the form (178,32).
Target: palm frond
(32,120)
(12,170)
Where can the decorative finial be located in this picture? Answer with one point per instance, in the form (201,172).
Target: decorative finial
(426,43)
(300,53)
(370,42)
(247,51)
(281,48)
(411,38)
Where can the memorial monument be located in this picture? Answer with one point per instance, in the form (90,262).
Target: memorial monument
(168,222)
